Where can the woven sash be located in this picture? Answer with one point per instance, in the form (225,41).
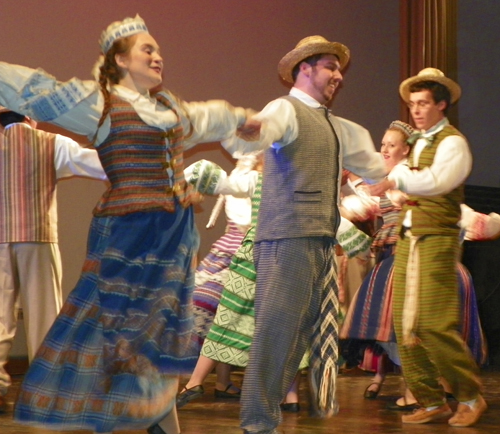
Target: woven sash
(324,346)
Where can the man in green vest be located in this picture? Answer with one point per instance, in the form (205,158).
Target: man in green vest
(426,298)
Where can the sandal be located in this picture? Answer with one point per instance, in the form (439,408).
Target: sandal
(188,395)
(228,395)
(372,394)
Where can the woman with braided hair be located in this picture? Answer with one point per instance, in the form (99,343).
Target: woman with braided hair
(113,356)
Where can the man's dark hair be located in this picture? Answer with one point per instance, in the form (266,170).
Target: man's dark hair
(10,117)
(438,91)
(312,60)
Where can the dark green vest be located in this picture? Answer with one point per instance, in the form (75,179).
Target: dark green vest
(434,215)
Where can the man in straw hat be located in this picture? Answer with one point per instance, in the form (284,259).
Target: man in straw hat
(426,298)
(306,149)
(31,163)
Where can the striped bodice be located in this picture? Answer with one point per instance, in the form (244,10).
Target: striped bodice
(143,164)
(28,208)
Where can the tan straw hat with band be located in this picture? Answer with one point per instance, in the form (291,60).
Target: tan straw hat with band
(309,47)
(430,74)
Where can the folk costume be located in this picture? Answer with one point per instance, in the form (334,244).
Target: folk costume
(112,359)
(296,302)
(426,298)
(212,273)
(31,163)
(231,334)
(370,316)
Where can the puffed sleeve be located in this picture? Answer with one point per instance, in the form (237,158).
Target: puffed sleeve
(75,105)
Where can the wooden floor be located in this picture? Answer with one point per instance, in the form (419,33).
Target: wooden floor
(357,415)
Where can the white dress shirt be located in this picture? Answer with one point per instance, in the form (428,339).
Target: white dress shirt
(280,128)
(450,168)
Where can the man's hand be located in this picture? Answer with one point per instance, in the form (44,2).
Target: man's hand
(196,198)
(380,188)
(250,130)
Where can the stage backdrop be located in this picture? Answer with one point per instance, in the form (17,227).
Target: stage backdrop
(212,49)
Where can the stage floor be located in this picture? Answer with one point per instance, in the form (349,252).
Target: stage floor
(357,415)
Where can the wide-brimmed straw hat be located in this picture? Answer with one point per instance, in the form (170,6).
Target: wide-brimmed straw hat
(430,74)
(309,47)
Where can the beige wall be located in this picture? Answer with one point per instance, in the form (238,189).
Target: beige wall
(225,49)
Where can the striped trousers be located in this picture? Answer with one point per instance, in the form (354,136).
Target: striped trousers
(290,280)
(440,350)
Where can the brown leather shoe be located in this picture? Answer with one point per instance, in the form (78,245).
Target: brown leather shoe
(466,416)
(421,415)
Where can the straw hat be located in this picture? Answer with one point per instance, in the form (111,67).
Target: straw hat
(430,74)
(309,47)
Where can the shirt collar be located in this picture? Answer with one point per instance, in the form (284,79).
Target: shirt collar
(305,98)
(147,107)
(436,128)
(129,95)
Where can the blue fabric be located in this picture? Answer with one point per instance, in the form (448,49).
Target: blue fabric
(111,359)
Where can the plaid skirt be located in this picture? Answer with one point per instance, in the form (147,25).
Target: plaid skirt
(112,358)
(370,314)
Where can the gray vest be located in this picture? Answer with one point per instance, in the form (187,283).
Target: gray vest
(300,182)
